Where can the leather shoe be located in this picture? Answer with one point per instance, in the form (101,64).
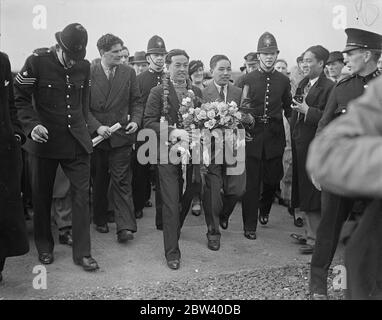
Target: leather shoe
(124,236)
(103,228)
(148,204)
(319,296)
(66,238)
(196,209)
(223,222)
(46,258)
(306,249)
(251,235)
(214,245)
(87,263)
(173,264)
(138,214)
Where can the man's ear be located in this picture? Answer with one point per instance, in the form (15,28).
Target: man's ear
(101,52)
(368,56)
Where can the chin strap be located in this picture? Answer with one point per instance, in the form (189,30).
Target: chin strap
(159,66)
(266,69)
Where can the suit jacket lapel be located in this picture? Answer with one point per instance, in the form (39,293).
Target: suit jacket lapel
(100,80)
(174,102)
(213,94)
(117,85)
(314,92)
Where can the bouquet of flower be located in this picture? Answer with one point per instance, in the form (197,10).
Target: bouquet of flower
(211,115)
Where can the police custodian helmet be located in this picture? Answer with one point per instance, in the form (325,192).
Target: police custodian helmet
(73,41)
(267,43)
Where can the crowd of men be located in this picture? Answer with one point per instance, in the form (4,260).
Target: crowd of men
(59,104)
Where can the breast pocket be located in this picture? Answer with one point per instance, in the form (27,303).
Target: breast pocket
(49,92)
(77,92)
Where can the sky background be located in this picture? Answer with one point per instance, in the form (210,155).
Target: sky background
(201,27)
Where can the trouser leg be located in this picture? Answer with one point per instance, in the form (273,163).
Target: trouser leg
(121,189)
(101,181)
(43,173)
(169,183)
(78,172)
(334,212)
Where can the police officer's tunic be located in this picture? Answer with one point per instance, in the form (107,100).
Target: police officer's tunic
(48,94)
(335,209)
(269,95)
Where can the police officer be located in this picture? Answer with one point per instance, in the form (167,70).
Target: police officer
(363,49)
(268,93)
(251,64)
(52,97)
(155,55)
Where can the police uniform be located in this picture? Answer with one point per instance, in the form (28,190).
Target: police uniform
(141,174)
(48,94)
(269,95)
(336,209)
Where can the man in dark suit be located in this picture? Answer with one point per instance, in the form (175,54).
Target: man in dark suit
(114,96)
(314,91)
(13,233)
(268,94)
(163,104)
(52,97)
(218,208)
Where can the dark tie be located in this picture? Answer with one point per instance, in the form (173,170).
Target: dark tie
(221,94)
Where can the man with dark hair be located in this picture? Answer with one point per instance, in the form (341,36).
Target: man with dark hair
(139,62)
(267,93)
(161,114)
(155,54)
(114,98)
(52,97)
(313,91)
(218,208)
(360,55)
(13,233)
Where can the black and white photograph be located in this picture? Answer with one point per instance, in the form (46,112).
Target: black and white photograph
(192,156)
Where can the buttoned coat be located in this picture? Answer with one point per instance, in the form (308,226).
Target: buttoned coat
(13,235)
(111,105)
(303,129)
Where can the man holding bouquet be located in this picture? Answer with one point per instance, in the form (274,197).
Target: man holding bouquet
(161,114)
(114,96)
(218,208)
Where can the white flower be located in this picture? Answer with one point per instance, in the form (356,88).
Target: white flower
(211,114)
(192,126)
(184,116)
(238,115)
(233,104)
(202,115)
(162,119)
(191,111)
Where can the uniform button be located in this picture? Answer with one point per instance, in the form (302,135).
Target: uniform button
(69,116)
(343,110)
(267,90)
(68,106)
(267,103)
(69,86)
(68,96)
(49,86)
(69,126)
(268,79)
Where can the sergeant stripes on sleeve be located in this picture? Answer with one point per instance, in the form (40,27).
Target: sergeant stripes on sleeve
(24,80)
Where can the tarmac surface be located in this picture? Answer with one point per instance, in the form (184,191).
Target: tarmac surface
(241,269)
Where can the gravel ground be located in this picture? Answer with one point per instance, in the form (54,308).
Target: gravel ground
(284,283)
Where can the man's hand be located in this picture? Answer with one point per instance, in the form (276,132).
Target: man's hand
(179,134)
(247,118)
(39,134)
(104,132)
(300,107)
(131,128)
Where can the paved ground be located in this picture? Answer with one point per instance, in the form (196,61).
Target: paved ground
(138,270)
